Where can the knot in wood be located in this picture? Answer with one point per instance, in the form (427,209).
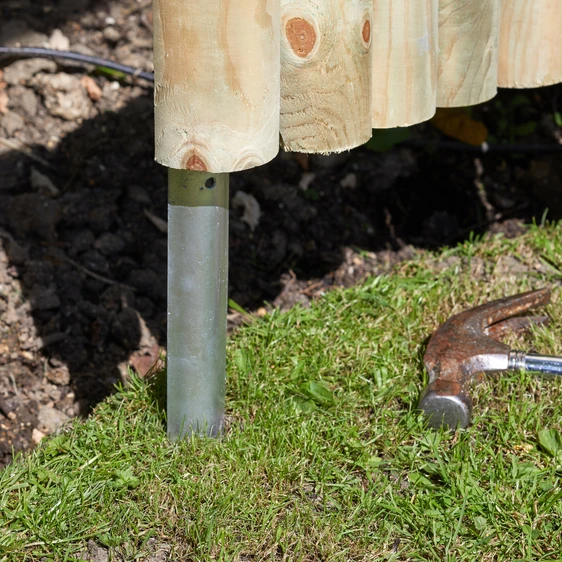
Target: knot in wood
(195,163)
(366,32)
(301,36)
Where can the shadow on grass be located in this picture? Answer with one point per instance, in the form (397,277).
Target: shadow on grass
(156,389)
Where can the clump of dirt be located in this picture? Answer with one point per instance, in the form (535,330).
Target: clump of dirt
(83,209)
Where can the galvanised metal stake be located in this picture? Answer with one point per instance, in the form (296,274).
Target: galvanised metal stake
(197,301)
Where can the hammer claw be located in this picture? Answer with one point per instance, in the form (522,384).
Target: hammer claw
(514,325)
(467,344)
(500,309)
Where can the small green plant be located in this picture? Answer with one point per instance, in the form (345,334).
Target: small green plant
(385,139)
(513,119)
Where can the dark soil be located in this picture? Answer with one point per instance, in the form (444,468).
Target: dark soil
(83,255)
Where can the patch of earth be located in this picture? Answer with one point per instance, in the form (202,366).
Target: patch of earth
(83,209)
(154,551)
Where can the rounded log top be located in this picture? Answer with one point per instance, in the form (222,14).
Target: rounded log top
(217,83)
(325,74)
(238,78)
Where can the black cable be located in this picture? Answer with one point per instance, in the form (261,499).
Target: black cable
(435,145)
(53,53)
(483,148)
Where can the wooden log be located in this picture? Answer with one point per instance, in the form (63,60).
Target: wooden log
(404,62)
(530,51)
(467,67)
(216,83)
(325,74)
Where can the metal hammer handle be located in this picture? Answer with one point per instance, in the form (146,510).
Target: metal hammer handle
(521,361)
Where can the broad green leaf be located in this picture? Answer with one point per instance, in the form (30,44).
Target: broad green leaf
(524,469)
(242,360)
(480,523)
(302,405)
(418,479)
(108,540)
(385,139)
(125,479)
(46,475)
(551,441)
(297,371)
(373,462)
(318,392)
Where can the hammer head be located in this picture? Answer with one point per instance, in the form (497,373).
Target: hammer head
(466,345)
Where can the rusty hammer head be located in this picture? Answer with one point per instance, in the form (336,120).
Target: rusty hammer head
(466,345)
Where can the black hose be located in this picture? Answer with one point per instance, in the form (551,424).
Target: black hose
(53,53)
(484,148)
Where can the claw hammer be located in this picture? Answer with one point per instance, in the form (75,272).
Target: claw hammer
(467,344)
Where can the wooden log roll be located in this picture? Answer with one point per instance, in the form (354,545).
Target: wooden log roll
(530,51)
(404,62)
(216,83)
(467,68)
(325,74)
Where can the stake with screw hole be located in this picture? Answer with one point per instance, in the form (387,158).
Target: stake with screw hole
(197,301)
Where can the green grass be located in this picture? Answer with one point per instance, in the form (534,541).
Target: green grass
(325,456)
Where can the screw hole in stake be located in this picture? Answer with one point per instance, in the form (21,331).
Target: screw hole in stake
(210,183)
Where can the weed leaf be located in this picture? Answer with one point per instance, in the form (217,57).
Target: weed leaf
(551,441)
(383,140)
(318,392)
(302,405)
(125,479)
(242,360)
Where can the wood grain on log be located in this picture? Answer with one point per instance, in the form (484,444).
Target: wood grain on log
(216,83)
(467,69)
(325,74)
(530,51)
(404,61)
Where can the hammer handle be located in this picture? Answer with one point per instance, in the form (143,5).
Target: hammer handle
(520,361)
